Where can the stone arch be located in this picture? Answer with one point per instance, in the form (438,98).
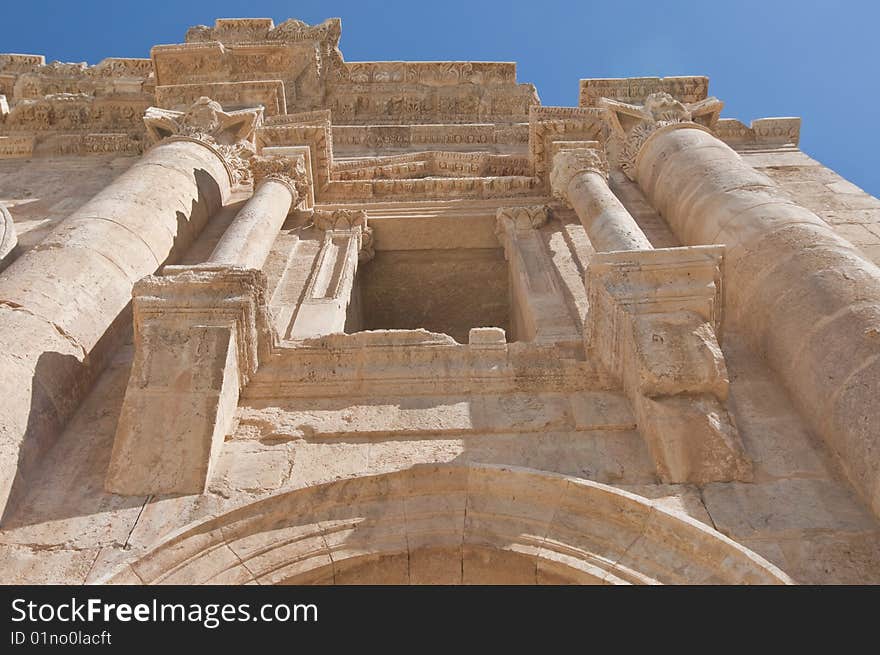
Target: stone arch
(451,523)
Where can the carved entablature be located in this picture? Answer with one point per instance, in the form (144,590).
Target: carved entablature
(76,112)
(762,132)
(289,171)
(431,163)
(634,90)
(229,134)
(248,50)
(232,95)
(310,129)
(111,77)
(551,124)
(423,103)
(249,30)
(355,138)
(350,221)
(630,126)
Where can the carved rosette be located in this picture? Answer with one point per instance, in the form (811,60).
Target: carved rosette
(632,125)
(575,161)
(230,135)
(289,171)
(348,220)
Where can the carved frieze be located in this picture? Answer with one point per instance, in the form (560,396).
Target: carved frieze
(76,112)
(431,163)
(762,132)
(266,93)
(634,90)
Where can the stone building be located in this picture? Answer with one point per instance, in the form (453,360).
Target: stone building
(270,316)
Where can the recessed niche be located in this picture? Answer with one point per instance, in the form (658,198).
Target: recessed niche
(448,291)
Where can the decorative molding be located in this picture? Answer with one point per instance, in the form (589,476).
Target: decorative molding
(523,217)
(634,90)
(552,124)
(353,221)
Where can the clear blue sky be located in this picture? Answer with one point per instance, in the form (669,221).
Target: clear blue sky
(816,59)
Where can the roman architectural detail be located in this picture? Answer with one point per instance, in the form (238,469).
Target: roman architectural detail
(540,314)
(579,176)
(197,331)
(330,300)
(268,315)
(654,323)
(229,135)
(632,125)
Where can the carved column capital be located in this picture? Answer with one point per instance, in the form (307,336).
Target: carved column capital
(571,162)
(631,126)
(348,220)
(523,217)
(230,135)
(289,171)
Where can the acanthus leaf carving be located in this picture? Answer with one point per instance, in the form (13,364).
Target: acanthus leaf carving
(632,125)
(229,134)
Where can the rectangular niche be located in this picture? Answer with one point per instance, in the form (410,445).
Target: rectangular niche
(448,291)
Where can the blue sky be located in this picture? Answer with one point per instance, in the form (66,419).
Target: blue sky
(816,59)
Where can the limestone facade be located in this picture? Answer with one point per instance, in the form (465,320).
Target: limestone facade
(269,316)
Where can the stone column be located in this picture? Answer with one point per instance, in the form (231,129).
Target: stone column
(328,297)
(248,240)
(807,299)
(580,177)
(653,324)
(61,303)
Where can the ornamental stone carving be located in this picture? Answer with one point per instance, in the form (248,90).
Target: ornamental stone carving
(348,220)
(229,134)
(289,171)
(571,162)
(630,126)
